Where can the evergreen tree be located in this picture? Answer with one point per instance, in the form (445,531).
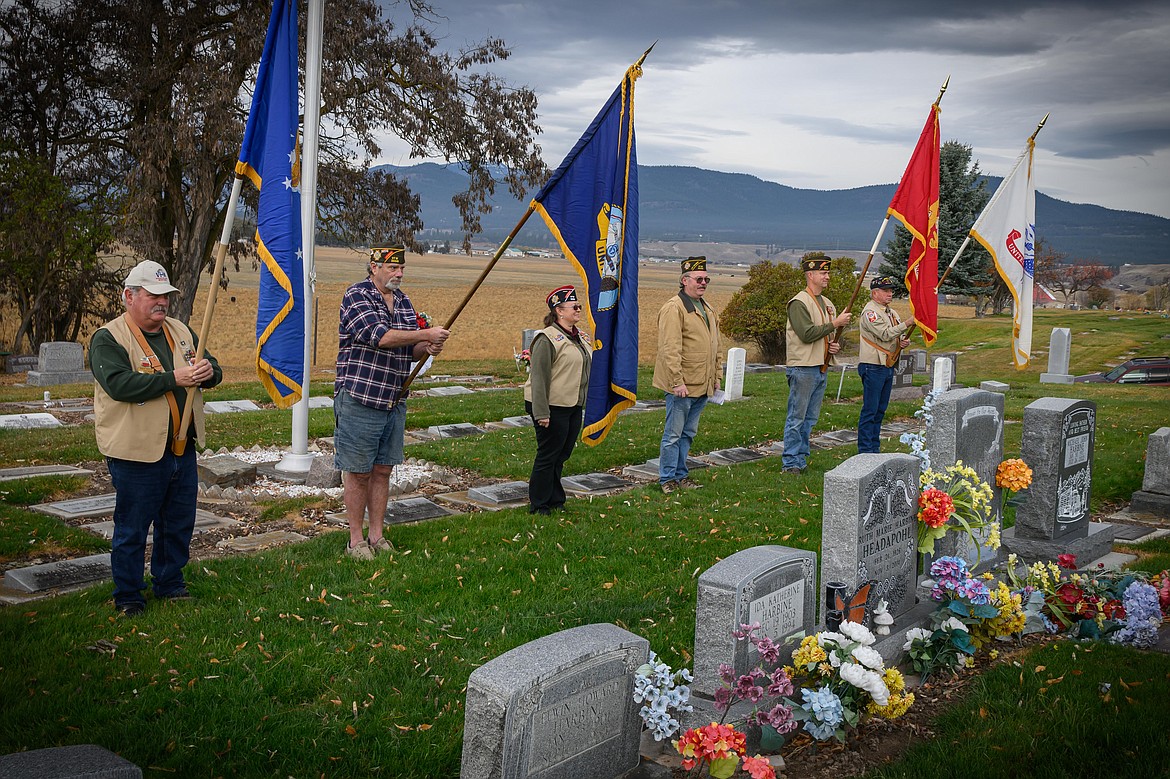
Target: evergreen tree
(962,196)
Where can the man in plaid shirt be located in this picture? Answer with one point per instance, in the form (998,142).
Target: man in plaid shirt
(378,337)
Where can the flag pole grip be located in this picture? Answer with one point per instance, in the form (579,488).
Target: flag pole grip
(402,393)
(180,444)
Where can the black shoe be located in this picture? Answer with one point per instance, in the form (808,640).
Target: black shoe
(131,609)
(542,512)
(179,594)
(794,470)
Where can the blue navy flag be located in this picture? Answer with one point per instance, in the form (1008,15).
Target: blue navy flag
(269,157)
(591,206)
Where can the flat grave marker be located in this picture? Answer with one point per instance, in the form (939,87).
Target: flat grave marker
(28,421)
(499,494)
(32,471)
(60,573)
(594,483)
(79,508)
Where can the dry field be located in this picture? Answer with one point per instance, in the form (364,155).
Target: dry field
(510,300)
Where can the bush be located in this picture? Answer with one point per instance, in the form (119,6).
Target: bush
(758,312)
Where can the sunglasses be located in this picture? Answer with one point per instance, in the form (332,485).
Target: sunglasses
(576,307)
(701,279)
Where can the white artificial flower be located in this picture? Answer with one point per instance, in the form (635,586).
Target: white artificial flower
(869,657)
(915,633)
(858,632)
(954,623)
(827,635)
(864,679)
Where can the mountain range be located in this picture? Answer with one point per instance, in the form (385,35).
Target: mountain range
(685,204)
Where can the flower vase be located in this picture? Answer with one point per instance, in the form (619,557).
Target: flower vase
(649,747)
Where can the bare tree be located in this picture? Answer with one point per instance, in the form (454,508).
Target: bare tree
(166,95)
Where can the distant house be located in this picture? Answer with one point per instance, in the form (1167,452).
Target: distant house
(1042,296)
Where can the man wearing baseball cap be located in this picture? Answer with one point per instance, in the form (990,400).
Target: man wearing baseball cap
(144,365)
(881,332)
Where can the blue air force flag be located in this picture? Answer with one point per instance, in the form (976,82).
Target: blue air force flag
(269,158)
(1007,229)
(591,206)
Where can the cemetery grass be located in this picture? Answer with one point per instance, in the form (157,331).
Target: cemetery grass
(26,536)
(298,661)
(1153,555)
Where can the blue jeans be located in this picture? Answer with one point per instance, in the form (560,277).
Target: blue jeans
(806,390)
(161,493)
(876,383)
(682,423)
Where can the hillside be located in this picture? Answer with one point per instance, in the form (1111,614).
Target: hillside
(683,204)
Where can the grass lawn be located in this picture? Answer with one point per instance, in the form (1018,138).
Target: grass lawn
(299,662)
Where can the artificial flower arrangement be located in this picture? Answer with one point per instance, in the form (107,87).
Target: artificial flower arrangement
(954,498)
(523,360)
(971,614)
(661,692)
(1122,607)
(844,680)
(720,746)
(424,320)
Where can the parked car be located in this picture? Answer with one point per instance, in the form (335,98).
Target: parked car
(1140,370)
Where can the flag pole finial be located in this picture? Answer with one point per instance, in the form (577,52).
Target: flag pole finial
(942,91)
(1039,127)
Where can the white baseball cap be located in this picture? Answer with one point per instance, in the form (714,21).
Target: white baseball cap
(152,277)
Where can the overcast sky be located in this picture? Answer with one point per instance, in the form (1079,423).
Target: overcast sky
(823,94)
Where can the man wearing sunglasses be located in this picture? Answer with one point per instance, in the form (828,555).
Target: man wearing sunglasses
(687,369)
(378,336)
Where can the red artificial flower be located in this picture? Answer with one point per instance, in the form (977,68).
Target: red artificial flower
(935,507)
(1114,610)
(1067,561)
(1164,593)
(1070,593)
(710,742)
(759,767)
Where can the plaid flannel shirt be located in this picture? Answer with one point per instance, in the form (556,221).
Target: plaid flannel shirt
(372,375)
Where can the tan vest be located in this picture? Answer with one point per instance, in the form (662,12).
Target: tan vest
(564,387)
(880,328)
(800,353)
(141,431)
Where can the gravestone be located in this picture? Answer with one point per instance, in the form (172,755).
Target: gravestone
(870,531)
(526,337)
(943,373)
(60,362)
(20,363)
(320,401)
(594,483)
(447,392)
(79,508)
(775,586)
(994,386)
(968,426)
(733,456)
(229,406)
(758,367)
(733,376)
(28,421)
(498,494)
(904,371)
(1057,445)
(559,707)
(78,761)
(32,471)
(60,573)
(921,359)
(413,510)
(257,542)
(461,430)
(524,421)
(205,522)
(1154,496)
(1059,352)
(323,472)
(225,471)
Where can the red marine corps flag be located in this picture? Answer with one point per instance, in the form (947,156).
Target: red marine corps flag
(915,205)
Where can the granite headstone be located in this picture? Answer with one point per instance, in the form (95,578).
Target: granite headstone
(1154,496)
(733,380)
(558,707)
(775,586)
(870,531)
(1059,353)
(60,362)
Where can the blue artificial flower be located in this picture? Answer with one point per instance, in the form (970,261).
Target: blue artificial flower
(1143,615)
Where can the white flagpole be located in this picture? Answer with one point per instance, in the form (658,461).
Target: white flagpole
(300,458)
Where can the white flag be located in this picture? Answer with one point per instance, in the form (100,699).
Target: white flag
(1007,229)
